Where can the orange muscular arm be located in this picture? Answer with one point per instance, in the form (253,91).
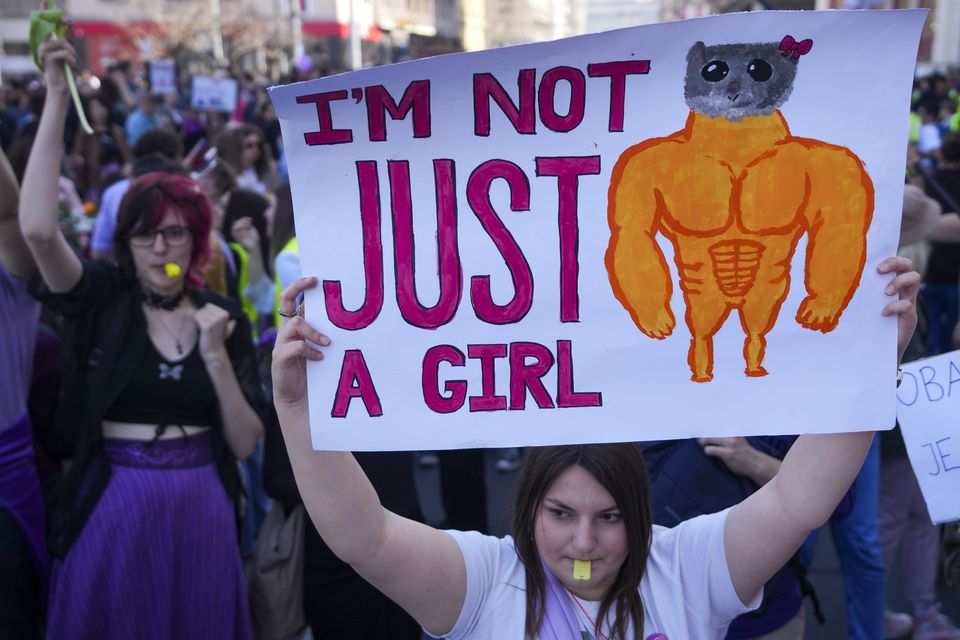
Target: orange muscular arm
(638,271)
(838,214)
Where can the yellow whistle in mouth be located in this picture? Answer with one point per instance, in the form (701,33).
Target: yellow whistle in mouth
(172,269)
(581,569)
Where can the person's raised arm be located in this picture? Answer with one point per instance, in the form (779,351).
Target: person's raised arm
(946,229)
(416,566)
(14,255)
(763,531)
(59,265)
(242,426)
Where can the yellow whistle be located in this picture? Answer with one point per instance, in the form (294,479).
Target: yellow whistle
(172,269)
(581,569)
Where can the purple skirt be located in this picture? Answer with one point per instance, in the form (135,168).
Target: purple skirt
(20,491)
(158,557)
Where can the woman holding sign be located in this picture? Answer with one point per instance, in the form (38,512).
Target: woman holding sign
(585,560)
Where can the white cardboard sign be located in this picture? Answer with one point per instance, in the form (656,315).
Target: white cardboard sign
(929,416)
(658,232)
(163,76)
(213,94)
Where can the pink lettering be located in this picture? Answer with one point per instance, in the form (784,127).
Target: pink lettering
(327,134)
(525,376)
(456,389)
(372,258)
(487,354)
(523,118)
(450,274)
(478,195)
(355,382)
(380,103)
(618,72)
(568,171)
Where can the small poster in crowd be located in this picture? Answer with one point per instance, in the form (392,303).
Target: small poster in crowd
(163,76)
(929,416)
(658,232)
(213,94)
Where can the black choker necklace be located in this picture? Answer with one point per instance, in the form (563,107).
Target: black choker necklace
(156,300)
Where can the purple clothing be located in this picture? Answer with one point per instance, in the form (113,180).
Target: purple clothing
(158,557)
(559,618)
(20,492)
(20,312)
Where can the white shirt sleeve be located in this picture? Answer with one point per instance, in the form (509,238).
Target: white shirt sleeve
(492,568)
(692,556)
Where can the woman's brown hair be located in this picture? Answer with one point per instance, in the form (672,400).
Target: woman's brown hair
(620,469)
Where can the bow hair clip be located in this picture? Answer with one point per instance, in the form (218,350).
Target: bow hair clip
(790,48)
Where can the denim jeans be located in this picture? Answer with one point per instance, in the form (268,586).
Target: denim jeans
(941,302)
(857,540)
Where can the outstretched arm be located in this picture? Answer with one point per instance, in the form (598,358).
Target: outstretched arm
(635,264)
(947,229)
(14,255)
(59,265)
(763,531)
(416,566)
(838,214)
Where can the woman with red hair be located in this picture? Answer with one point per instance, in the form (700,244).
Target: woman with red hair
(160,398)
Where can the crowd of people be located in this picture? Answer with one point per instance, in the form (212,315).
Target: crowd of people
(154,411)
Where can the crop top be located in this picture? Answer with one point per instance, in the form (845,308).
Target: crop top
(162,392)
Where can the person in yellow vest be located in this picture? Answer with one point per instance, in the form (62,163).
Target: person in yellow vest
(284,247)
(245,228)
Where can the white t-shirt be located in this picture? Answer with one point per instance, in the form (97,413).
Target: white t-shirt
(686,590)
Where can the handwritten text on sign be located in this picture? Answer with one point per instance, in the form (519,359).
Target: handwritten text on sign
(532,245)
(929,415)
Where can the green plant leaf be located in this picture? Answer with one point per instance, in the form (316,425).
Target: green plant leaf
(51,21)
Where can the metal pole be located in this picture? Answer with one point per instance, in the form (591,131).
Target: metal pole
(356,55)
(216,36)
(296,25)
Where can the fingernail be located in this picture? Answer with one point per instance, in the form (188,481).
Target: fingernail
(324,340)
(889,289)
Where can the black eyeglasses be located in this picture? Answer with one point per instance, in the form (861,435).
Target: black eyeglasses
(173,236)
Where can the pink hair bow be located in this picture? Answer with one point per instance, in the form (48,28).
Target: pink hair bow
(791,48)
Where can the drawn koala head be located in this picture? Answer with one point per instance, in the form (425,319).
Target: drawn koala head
(734,81)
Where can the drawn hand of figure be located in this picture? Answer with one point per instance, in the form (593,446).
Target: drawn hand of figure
(659,325)
(818,314)
(291,350)
(905,285)
(215,327)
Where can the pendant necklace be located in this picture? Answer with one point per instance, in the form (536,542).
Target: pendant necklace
(175,336)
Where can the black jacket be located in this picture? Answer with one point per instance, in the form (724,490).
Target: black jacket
(104,335)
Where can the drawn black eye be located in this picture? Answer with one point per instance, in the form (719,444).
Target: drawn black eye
(760,70)
(715,71)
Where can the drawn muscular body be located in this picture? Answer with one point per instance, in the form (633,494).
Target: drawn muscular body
(734,197)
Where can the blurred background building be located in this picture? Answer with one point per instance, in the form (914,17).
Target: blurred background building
(268,36)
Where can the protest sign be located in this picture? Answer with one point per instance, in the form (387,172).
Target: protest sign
(214,94)
(163,76)
(929,416)
(657,232)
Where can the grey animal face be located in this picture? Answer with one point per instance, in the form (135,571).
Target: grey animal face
(734,81)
